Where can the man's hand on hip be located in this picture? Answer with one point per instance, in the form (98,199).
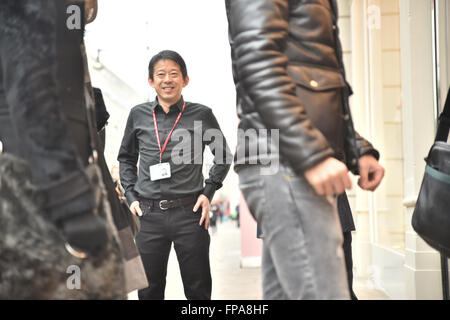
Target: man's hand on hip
(371,173)
(203,202)
(135,208)
(330,177)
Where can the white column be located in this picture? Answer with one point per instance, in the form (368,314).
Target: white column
(361,115)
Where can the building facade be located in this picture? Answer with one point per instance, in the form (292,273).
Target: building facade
(396,53)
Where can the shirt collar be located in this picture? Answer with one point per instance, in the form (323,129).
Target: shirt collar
(178,104)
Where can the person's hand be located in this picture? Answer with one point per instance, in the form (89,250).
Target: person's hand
(203,202)
(135,208)
(371,173)
(330,177)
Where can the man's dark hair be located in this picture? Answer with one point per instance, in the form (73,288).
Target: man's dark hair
(167,55)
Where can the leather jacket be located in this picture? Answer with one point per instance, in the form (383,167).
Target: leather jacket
(289,75)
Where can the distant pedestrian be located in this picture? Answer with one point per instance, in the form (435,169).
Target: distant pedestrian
(238,216)
(213,216)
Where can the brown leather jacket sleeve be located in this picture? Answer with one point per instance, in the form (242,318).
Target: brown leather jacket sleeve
(365,147)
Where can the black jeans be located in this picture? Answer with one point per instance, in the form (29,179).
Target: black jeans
(347,246)
(191,242)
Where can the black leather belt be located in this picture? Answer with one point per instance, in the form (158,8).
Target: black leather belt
(169,204)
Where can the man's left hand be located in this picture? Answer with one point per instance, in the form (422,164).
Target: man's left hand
(203,202)
(371,173)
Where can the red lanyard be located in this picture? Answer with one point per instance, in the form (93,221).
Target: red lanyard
(161,150)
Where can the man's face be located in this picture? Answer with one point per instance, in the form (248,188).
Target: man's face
(168,81)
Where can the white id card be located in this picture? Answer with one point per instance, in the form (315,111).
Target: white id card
(160,171)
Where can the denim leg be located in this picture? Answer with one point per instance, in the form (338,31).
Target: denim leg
(324,239)
(272,289)
(302,236)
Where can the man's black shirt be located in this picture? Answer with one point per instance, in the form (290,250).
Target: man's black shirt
(184,152)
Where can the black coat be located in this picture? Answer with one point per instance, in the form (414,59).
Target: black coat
(43,121)
(43,116)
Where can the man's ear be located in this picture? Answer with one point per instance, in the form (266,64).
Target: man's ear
(186,81)
(150,82)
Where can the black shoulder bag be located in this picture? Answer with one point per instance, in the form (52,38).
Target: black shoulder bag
(431,217)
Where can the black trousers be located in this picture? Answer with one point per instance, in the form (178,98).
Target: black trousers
(191,242)
(347,247)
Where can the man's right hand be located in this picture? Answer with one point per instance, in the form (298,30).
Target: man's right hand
(330,177)
(135,209)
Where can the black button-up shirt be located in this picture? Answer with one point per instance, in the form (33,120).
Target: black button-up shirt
(184,152)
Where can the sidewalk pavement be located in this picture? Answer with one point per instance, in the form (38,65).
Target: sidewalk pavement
(230,281)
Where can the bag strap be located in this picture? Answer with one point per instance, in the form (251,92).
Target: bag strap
(444,121)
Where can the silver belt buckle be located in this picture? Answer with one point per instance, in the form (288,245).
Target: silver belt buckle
(161,203)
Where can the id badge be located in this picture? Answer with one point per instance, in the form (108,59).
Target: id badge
(160,171)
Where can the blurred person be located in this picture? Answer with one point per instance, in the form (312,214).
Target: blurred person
(115,174)
(101,116)
(54,177)
(224,210)
(238,219)
(227,208)
(213,216)
(170,196)
(290,80)
(219,204)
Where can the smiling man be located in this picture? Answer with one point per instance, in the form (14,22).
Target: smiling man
(170,196)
